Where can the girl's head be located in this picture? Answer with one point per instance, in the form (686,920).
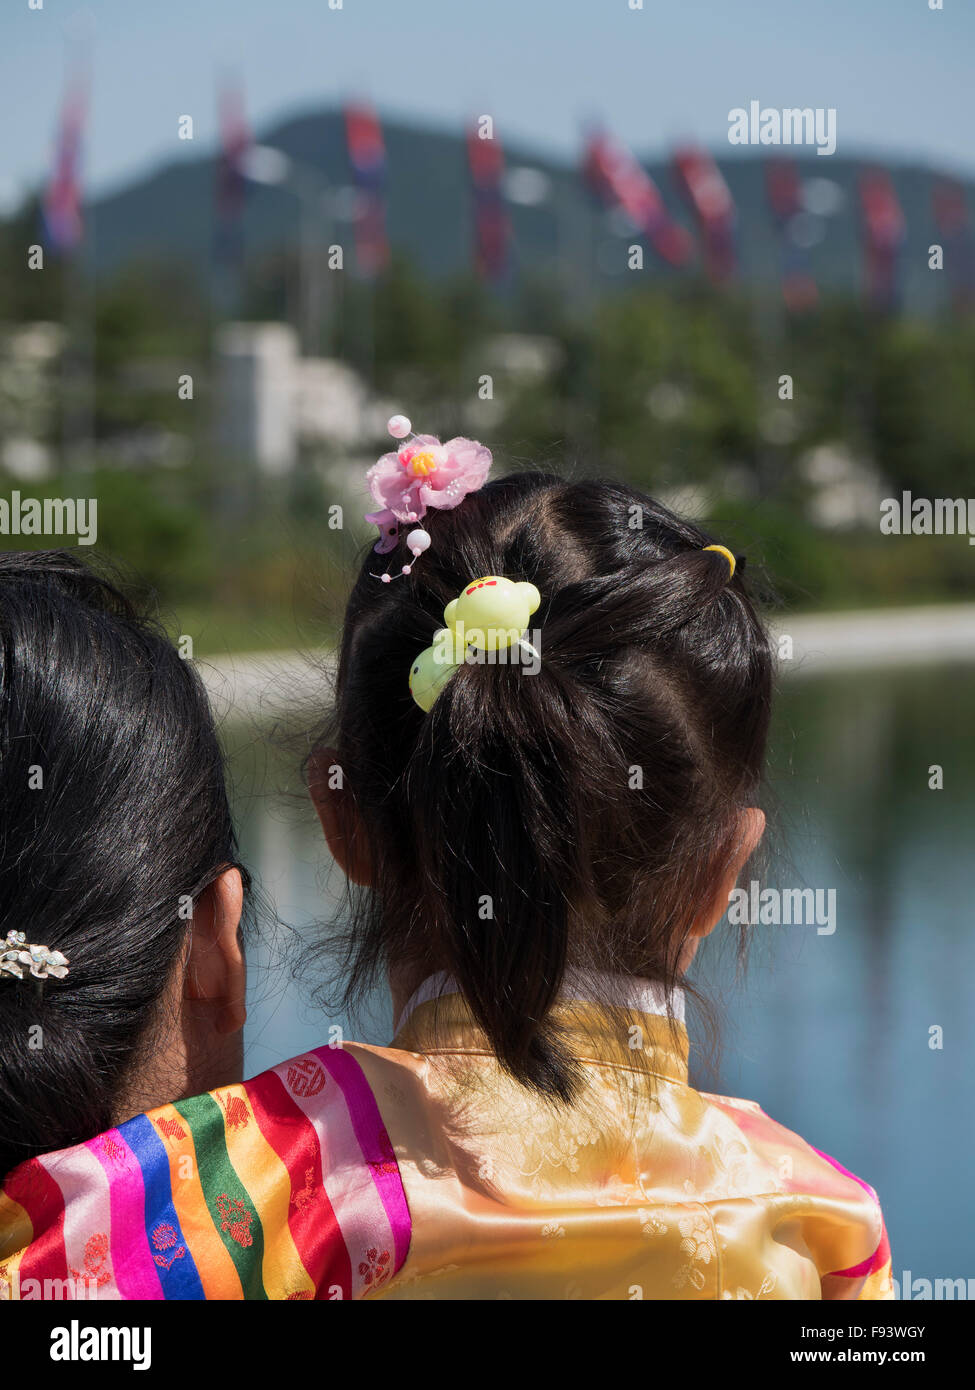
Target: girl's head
(117,850)
(592,813)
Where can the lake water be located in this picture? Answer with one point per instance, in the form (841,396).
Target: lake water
(831,1033)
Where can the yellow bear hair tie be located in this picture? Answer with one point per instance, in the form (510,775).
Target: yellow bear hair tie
(490,615)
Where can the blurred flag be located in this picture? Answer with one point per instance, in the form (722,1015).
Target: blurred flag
(703,185)
(492,225)
(61,204)
(883,236)
(619,181)
(955,233)
(231,189)
(367,159)
(784,189)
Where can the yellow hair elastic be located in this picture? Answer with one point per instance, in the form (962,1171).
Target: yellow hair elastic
(723,550)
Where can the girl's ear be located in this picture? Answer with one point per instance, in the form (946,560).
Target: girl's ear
(344,834)
(751,830)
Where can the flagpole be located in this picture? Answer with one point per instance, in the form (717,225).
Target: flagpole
(367,157)
(267,165)
(68,231)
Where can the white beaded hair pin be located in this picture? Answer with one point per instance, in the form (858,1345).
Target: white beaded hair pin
(16,954)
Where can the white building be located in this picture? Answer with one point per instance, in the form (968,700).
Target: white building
(270,400)
(257,390)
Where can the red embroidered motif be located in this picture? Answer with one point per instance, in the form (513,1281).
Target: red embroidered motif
(96,1261)
(377,1268)
(164,1238)
(387,1164)
(235,1110)
(236,1220)
(171,1128)
(295,1297)
(306,1077)
(387,1169)
(112,1149)
(301,1198)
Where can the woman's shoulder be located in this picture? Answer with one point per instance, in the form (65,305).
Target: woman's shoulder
(284,1186)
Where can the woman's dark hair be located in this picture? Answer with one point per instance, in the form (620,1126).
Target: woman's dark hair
(113,813)
(594,805)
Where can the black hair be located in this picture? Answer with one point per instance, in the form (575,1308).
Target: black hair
(596,804)
(113,816)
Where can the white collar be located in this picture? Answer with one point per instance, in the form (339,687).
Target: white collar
(600,987)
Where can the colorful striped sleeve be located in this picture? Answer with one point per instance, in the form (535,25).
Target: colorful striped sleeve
(283,1187)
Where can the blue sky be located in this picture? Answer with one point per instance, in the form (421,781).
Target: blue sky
(898,74)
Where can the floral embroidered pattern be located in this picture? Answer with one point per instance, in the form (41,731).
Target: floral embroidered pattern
(96,1266)
(375,1267)
(766,1286)
(301,1198)
(235,1220)
(235,1109)
(386,1165)
(557,1148)
(733,1168)
(164,1238)
(112,1149)
(171,1129)
(553,1229)
(651,1225)
(698,1248)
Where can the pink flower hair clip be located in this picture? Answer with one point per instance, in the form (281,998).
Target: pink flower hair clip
(421,473)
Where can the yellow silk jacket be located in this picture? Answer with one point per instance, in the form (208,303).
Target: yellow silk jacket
(643,1188)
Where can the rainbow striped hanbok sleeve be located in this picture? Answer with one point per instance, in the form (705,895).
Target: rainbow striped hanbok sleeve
(282,1187)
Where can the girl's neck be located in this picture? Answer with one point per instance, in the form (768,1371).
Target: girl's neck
(601,987)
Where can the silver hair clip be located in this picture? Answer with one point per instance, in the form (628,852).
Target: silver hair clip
(15,953)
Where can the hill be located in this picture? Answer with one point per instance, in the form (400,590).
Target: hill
(170,214)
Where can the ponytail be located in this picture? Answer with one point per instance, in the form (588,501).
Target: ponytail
(490,789)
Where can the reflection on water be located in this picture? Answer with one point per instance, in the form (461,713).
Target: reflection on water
(831,1034)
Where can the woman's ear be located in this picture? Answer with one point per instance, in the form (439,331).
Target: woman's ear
(216,973)
(344,834)
(751,828)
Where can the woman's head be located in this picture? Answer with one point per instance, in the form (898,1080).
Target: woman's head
(118,850)
(592,814)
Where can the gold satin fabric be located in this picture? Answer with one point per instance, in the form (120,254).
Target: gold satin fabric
(643,1188)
